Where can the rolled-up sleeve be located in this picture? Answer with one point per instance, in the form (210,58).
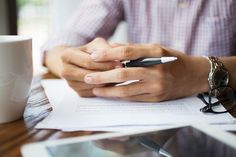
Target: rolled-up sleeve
(96,18)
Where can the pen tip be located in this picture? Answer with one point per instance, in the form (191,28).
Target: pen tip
(168,59)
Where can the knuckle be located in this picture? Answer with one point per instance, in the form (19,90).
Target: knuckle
(109,66)
(126,52)
(158,87)
(106,67)
(161,51)
(99,39)
(122,75)
(65,57)
(66,72)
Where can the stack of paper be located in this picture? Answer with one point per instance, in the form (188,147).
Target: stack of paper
(71,112)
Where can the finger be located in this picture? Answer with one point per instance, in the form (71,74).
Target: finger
(98,44)
(113,45)
(77,85)
(121,91)
(116,75)
(85,93)
(82,59)
(74,73)
(144,98)
(130,52)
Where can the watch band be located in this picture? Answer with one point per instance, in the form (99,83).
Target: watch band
(216,66)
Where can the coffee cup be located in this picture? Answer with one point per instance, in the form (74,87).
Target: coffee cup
(16,71)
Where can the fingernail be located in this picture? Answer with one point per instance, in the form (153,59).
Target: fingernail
(88,79)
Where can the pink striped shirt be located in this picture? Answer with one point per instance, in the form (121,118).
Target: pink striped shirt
(195,27)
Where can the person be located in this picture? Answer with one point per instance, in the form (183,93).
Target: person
(188,30)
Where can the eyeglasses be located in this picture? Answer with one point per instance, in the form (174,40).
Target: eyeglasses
(220,100)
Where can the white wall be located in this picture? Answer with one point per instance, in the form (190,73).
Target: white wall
(61,10)
(120,36)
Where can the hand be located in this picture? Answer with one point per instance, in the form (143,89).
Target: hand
(184,77)
(77,63)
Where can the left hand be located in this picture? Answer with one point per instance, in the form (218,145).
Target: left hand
(184,77)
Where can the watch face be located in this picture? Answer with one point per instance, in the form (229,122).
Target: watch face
(221,78)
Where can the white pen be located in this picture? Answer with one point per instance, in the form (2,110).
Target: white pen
(146,62)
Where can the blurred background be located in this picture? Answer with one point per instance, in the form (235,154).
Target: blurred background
(37,18)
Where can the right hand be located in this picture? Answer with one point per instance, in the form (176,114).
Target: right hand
(76,63)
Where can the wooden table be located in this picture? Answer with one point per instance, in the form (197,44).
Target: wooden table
(14,135)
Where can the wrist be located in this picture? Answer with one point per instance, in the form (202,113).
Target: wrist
(200,72)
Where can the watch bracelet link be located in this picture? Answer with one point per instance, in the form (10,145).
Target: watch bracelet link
(215,63)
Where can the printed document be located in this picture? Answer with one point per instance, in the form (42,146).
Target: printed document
(71,112)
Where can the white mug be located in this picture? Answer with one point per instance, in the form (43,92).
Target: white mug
(16,71)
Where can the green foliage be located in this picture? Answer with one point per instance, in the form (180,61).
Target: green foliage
(21,3)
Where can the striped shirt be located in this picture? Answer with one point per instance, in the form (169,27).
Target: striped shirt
(194,27)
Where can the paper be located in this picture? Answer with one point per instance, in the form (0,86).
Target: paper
(55,90)
(71,112)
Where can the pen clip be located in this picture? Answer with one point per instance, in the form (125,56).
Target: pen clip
(126,62)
